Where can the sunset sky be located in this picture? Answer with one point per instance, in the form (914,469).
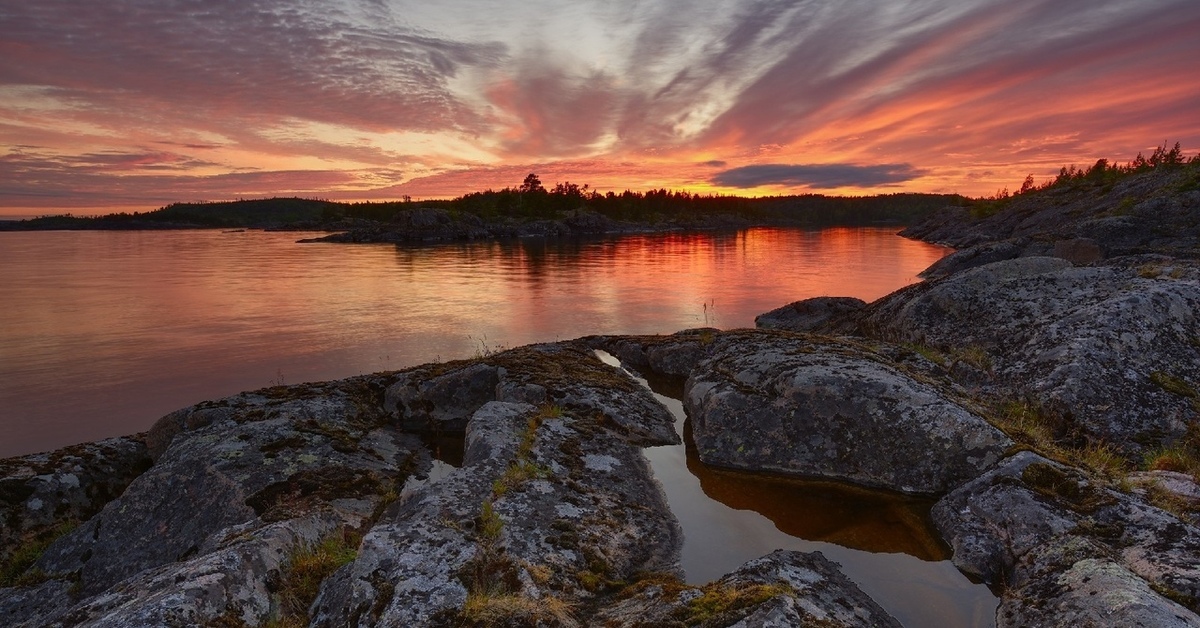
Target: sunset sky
(133,104)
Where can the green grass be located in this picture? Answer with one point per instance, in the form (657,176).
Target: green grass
(18,570)
(1172,384)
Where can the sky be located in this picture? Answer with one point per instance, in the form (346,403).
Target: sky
(129,105)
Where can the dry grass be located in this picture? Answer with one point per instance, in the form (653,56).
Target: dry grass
(307,568)
(717,599)
(509,609)
(975,356)
(1035,427)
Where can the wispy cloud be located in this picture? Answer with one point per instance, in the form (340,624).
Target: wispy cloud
(660,92)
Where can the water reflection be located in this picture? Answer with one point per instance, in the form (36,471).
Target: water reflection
(884,542)
(101,333)
(872,521)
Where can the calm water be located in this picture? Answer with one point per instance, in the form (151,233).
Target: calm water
(883,542)
(101,333)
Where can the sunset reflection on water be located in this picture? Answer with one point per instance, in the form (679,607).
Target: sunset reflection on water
(104,332)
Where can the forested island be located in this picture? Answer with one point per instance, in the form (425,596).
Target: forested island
(523,210)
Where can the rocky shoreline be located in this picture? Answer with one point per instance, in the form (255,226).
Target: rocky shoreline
(1046,398)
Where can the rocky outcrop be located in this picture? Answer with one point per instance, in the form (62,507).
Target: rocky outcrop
(41,495)
(241,487)
(1112,349)
(1066,549)
(808,314)
(546,511)
(812,407)
(202,534)
(1147,212)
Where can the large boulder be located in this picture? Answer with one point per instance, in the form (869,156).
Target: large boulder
(817,407)
(43,494)
(1064,547)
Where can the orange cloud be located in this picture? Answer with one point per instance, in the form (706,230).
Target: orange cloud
(117,104)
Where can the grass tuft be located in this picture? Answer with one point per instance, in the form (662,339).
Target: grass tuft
(1172,384)
(307,568)
(515,610)
(717,599)
(17,570)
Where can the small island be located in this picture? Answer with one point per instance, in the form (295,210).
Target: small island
(1041,385)
(529,210)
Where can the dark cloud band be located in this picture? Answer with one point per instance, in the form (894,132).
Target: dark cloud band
(820,176)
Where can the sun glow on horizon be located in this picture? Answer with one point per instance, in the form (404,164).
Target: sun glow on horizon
(103,111)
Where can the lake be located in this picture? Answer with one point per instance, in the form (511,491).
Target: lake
(101,333)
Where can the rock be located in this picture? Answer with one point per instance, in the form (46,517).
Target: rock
(546,510)
(1079,251)
(233,583)
(287,465)
(784,588)
(1040,530)
(441,397)
(991,521)
(441,402)
(1110,349)
(808,314)
(673,355)
(35,606)
(571,376)
(44,493)
(816,407)
(1074,584)
(972,257)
